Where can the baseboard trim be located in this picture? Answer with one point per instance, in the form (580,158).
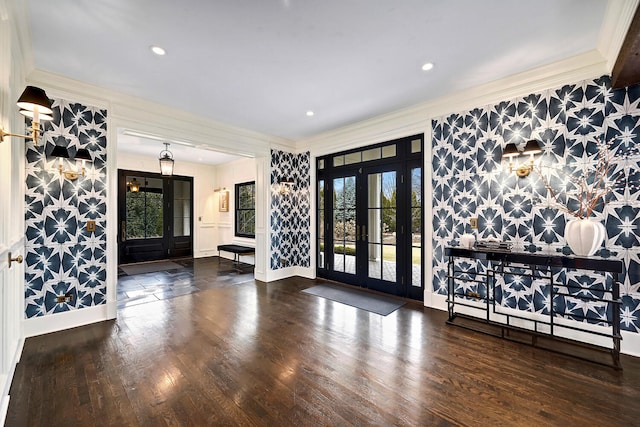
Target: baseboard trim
(4,407)
(67,320)
(630,344)
(5,397)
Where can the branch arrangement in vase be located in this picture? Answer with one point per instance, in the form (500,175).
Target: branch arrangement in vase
(590,187)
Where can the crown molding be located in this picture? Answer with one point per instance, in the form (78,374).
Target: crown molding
(126,111)
(617,19)
(17,15)
(415,119)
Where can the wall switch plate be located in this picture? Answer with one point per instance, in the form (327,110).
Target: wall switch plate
(473,222)
(91,226)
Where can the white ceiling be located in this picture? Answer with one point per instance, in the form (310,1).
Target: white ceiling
(182,151)
(261,64)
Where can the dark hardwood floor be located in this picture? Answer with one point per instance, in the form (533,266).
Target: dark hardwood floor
(255,353)
(193,276)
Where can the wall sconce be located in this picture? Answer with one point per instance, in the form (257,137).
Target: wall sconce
(286,185)
(219,189)
(35,104)
(166,161)
(532,147)
(62,153)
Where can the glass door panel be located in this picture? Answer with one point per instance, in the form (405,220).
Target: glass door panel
(144,213)
(382,226)
(344,224)
(416,227)
(321,224)
(181,208)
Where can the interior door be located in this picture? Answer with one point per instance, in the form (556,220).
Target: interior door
(155,217)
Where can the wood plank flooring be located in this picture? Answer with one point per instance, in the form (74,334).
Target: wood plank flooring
(257,353)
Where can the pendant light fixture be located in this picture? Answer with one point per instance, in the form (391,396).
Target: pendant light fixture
(166,161)
(134,186)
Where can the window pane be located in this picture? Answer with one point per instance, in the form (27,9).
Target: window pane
(389,151)
(321,164)
(245,214)
(416,187)
(372,154)
(389,267)
(416,146)
(144,209)
(352,158)
(321,253)
(416,266)
(338,161)
(181,208)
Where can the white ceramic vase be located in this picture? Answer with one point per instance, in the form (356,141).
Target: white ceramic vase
(584,236)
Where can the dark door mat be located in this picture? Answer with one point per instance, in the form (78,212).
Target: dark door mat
(365,301)
(149,267)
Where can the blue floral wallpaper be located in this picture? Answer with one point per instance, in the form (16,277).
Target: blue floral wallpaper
(62,258)
(290,211)
(471,180)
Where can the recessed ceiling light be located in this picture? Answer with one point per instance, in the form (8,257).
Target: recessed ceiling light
(310,113)
(158,50)
(428,66)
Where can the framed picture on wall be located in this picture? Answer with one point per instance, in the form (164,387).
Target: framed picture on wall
(224,201)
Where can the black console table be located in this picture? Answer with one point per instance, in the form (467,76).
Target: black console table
(537,266)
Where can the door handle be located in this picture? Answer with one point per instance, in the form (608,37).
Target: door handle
(123,232)
(17,259)
(364,233)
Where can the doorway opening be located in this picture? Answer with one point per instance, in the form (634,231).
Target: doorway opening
(155,215)
(370,217)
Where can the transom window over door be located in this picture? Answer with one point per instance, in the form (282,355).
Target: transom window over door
(245,209)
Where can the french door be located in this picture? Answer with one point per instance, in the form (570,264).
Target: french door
(370,226)
(155,216)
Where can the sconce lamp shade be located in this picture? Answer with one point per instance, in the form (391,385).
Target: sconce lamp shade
(287,181)
(83,154)
(35,98)
(43,117)
(60,151)
(510,150)
(166,161)
(532,147)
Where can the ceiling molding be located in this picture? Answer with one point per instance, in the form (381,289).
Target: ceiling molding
(617,20)
(626,71)
(17,15)
(135,113)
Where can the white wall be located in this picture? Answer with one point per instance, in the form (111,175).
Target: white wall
(227,175)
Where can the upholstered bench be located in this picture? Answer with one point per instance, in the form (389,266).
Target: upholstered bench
(237,251)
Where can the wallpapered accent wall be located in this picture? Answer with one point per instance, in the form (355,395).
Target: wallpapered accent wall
(290,215)
(470,179)
(61,256)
